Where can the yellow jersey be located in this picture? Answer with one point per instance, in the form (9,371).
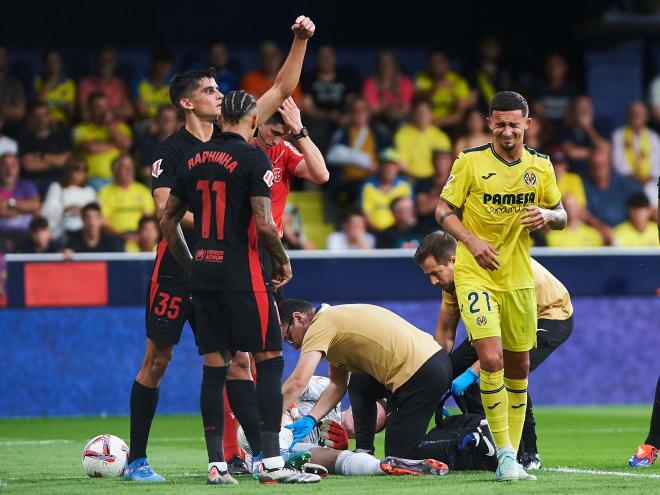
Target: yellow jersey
(153,96)
(123,207)
(99,163)
(369,339)
(493,194)
(376,201)
(446,96)
(58,99)
(553,302)
(571,184)
(625,235)
(416,148)
(582,236)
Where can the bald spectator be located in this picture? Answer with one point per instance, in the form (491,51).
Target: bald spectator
(12,94)
(636,150)
(582,132)
(417,140)
(607,192)
(260,80)
(125,201)
(45,147)
(353,234)
(407,232)
(101,139)
(105,81)
(19,200)
(226,79)
(449,92)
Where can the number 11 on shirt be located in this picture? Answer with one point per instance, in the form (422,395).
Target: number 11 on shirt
(220,189)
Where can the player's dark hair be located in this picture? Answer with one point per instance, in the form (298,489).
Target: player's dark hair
(637,200)
(145,219)
(275,119)
(236,105)
(507,101)
(184,83)
(438,244)
(38,223)
(90,207)
(287,307)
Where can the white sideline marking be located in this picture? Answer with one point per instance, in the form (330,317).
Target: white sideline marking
(592,430)
(34,442)
(601,473)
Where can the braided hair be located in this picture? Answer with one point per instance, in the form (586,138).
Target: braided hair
(236,105)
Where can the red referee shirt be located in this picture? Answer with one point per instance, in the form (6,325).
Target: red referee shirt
(284,157)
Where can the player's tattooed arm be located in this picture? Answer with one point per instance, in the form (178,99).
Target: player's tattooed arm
(289,75)
(161,195)
(536,218)
(171,229)
(270,237)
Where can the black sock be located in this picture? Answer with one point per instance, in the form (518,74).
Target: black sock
(242,397)
(269,400)
(143,408)
(212,406)
(654,430)
(528,441)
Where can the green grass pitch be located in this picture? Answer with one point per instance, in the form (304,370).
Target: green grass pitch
(584,450)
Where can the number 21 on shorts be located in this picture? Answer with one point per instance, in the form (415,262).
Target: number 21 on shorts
(479,302)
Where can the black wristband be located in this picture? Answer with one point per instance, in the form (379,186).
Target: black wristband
(444,217)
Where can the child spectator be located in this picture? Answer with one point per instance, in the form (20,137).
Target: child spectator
(91,239)
(40,239)
(146,240)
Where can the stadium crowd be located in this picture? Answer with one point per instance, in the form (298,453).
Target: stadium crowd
(76,155)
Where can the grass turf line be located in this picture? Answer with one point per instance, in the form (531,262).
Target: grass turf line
(44,456)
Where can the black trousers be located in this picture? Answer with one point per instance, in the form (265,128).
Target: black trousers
(409,408)
(550,334)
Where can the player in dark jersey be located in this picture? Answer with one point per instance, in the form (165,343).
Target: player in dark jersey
(227,187)
(288,162)
(196,94)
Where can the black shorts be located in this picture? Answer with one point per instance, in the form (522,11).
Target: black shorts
(236,321)
(168,308)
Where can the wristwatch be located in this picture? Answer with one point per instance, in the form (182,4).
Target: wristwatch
(303,133)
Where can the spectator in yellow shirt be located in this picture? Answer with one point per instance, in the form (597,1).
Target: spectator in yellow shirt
(577,234)
(379,192)
(638,231)
(101,140)
(153,91)
(124,201)
(568,183)
(146,240)
(449,93)
(54,88)
(417,141)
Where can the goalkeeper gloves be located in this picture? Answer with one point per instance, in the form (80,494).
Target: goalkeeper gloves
(463,381)
(301,428)
(333,435)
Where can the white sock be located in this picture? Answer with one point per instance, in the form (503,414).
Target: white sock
(222,466)
(273,462)
(353,464)
(503,450)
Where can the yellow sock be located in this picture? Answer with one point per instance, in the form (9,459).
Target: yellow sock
(517,392)
(496,405)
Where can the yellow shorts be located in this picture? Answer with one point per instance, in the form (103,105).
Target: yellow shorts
(510,315)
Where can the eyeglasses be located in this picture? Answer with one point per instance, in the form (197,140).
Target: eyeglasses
(286,337)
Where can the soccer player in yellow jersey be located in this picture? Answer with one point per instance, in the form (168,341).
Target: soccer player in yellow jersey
(554,312)
(505,190)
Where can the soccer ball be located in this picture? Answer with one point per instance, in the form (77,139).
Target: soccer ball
(105,456)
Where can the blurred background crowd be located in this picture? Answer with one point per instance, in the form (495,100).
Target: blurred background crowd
(78,130)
